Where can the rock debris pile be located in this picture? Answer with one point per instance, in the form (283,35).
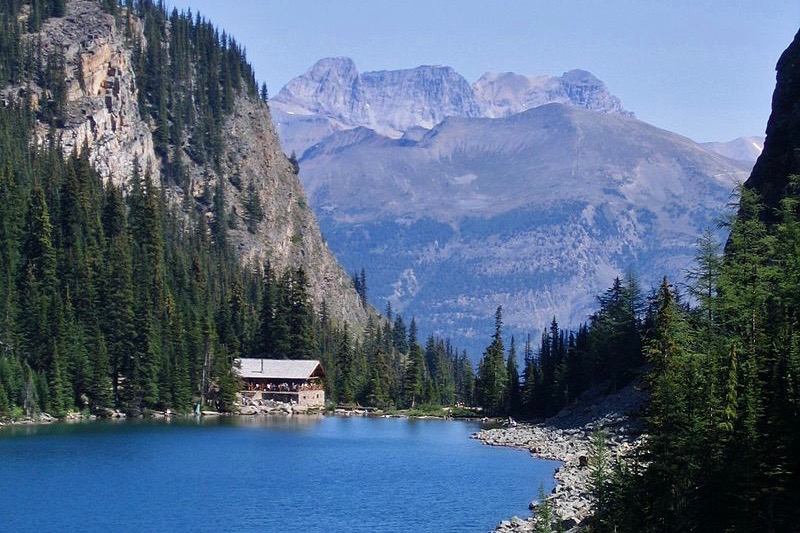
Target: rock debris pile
(566,437)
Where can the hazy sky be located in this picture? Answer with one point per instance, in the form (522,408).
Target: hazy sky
(702,68)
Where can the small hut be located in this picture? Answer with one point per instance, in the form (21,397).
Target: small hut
(284,380)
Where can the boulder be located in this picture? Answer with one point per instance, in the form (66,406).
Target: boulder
(105,412)
(569,523)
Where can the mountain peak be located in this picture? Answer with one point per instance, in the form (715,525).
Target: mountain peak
(508,93)
(580,76)
(391,102)
(330,87)
(387,101)
(343,67)
(338,61)
(741,149)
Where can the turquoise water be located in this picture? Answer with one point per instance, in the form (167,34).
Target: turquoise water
(262,474)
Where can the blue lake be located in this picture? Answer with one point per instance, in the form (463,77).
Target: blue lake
(262,474)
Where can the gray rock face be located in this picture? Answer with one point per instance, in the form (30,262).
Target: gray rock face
(101,100)
(536,212)
(508,93)
(332,87)
(422,96)
(333,96)
(102,111)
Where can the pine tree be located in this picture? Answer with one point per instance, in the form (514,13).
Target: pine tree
(300,317)
(414,382)
(493,378)
(513,402)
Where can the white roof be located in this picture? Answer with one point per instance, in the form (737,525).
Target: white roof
(278,368)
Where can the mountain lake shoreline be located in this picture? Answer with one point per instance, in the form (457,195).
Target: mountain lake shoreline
(248,421)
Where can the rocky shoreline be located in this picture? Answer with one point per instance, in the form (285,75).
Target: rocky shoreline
(566,438)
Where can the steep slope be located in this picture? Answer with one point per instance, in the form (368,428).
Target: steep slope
(102,109)
(780,158)
(289,233)
(333,96)
(536,212)
(101,96)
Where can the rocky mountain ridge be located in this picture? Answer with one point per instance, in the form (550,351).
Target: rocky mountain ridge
(537,212)
(333,96)
(102,112)
(507,93)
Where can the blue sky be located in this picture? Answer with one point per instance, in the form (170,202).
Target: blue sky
(701,68)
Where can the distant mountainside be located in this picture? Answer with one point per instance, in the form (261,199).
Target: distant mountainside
(334,96)
(537,211)
(742,148)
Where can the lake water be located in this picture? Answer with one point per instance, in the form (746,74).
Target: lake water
(265,474)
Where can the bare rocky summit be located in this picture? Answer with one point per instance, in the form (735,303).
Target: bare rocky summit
(507,93)
(333,96)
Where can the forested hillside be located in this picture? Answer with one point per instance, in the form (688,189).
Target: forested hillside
(716,351)
(137,267)
(723,424)
(721,354)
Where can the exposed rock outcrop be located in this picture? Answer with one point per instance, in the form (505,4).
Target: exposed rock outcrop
(102,112)
(502,95)
(332,96)
(781,156)
(101,93)
(289,235)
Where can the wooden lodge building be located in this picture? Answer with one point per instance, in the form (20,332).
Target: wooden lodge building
(283,380)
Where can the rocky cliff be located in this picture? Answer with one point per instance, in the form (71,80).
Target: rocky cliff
(102,111)
(334,96)
(781,156)
(508,93)
(101,91)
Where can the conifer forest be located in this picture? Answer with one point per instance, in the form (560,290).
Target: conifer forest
(114,297)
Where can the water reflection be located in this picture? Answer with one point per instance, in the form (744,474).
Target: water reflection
(301,421)
(66,427)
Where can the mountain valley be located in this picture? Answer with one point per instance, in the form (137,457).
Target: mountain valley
(536,210)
